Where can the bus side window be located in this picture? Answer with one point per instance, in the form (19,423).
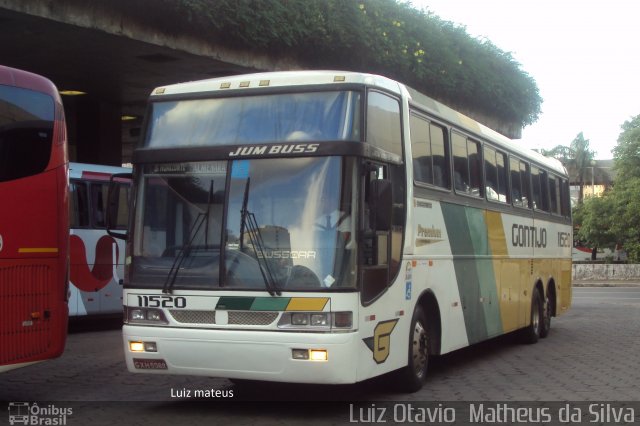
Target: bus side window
(98,204)
(467,176)
(525,180)
(520,183)
(421,150)
(440,154)
(503,185)
(78,205)
(554,194)
(565,198)
(383,122)
(495,174)
(491,173)
(430,156)
(516,187)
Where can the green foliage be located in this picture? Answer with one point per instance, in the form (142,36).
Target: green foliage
(626,192)
(627,152)
(386,37)
(615,218)
(594,219)
(577,158)
(625,218)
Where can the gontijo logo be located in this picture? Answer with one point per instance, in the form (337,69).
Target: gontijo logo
(25,413)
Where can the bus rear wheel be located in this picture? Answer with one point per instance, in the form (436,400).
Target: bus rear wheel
(533,331)
(412,377)
(546,317)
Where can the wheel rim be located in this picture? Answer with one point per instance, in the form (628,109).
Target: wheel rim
(547,313)
(535,316)
(419,349)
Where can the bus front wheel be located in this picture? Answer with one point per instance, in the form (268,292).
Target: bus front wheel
(411,378)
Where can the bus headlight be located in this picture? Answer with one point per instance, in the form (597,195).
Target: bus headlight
(299,319)
(319,320)
(316,321)
(136,315)
(144,316)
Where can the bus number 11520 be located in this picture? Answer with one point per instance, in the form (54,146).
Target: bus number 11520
(157,301)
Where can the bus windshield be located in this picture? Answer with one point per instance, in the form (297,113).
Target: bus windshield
(285,224)
(26,132)
(314,116)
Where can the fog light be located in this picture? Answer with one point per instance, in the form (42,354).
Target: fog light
(150,347)
(318,355)
(300,353)
(136,346)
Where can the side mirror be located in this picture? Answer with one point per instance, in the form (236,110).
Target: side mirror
(380,204)
(113,204)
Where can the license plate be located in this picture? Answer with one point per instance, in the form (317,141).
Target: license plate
(149,364)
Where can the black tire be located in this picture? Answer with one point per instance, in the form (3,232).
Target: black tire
(533,331)
(411,378)
(547,309)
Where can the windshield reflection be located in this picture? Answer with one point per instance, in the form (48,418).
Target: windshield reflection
(288,225)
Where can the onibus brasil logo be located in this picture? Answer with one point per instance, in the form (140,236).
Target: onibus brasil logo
(30,413)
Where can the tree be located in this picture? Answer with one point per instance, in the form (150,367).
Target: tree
(625,195)
(594,219)
(577,158)
(627,152)
(388,37)
(581,161)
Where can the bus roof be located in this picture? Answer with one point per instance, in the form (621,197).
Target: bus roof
(304,78)
(94,171)
(27,80)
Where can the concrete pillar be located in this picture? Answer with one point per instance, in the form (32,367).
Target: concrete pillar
(94,129)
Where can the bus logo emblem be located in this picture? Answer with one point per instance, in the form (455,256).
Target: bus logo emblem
(380,343)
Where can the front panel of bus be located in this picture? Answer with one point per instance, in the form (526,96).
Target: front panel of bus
(96,258)
(265,223)
(33,220)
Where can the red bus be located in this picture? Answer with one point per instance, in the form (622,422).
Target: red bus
(34,220)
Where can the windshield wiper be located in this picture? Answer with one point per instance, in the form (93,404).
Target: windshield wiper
(186,249)
(248,220)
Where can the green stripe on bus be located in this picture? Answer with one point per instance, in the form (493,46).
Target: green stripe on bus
(270,303)
(231,303)
(475,276)
(479,232)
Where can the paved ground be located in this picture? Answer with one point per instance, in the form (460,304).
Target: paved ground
(592,354)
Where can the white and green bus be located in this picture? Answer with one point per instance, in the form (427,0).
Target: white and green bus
(330,227)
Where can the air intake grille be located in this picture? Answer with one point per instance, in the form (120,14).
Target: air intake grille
(235,317)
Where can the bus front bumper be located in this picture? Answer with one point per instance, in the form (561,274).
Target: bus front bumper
(243,354)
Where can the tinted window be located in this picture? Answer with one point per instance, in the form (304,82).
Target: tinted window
(565,198)
(26,129)
(383,122)
(537,189)
(85,212)
(467,176)
(78,205)
(430,159)
(315,116)
(554,194)
(520,184)
(495,174)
